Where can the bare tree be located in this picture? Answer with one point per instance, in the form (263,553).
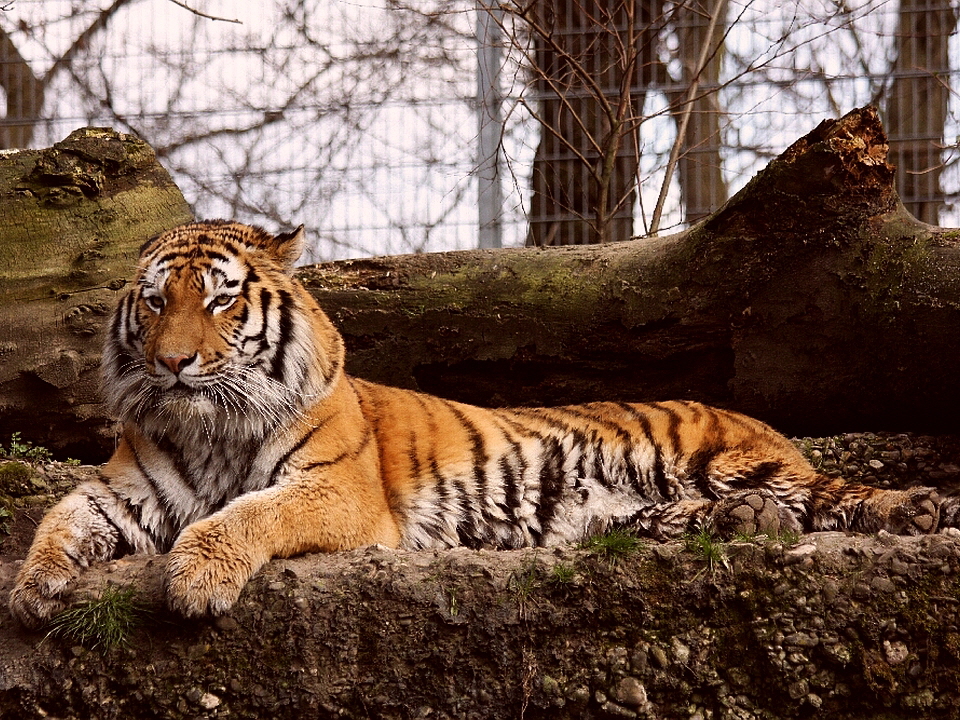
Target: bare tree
(26,90)
(592,61)
(593,65)
(302,115)
(917,102)
(699,26)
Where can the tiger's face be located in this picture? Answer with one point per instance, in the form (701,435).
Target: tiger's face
(213,329)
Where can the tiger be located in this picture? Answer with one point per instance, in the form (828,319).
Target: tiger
(244,439)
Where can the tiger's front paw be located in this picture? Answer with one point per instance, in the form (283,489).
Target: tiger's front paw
(206,571)
(37,595)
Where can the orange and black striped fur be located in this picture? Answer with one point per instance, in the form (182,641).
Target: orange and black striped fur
(243,439)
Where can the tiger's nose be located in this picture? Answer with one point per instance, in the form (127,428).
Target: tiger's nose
(176,363)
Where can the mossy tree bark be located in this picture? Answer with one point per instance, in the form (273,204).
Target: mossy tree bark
(74,217)
(810,299)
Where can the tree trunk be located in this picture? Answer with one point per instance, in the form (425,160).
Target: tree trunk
(74,217)
(23,93)
(916,106)
(700,165)
(593,60)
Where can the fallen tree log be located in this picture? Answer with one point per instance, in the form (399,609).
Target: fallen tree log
(811,299)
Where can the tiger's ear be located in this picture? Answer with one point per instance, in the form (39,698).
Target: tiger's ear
(287,247)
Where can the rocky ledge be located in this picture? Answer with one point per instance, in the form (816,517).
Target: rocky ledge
(827,624)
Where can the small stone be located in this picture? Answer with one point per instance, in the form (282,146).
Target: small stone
(899,567)
(887,538)
(895,651)
(801,640)
(830,592)
(225,623)
(550,686)
(799,553)
(666,552)
(208,701)
(617,710)
(876,464)
(882,584)
(798,689)
(276,586)
(681,652)
(660,657)
(630,691)
(639,661)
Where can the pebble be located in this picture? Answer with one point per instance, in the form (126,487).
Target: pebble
(799,553)
(882,584)
(681,651)
(630,691)
(896,652)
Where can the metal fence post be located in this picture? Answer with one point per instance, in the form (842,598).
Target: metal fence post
(489,123)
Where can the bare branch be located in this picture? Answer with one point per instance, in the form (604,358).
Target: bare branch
(685,117)
(204,15)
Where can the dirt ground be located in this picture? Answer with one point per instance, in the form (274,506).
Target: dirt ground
(828,624)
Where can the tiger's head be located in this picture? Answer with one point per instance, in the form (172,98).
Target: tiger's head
(215,332)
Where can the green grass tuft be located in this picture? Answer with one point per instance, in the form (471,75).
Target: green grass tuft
(613,545)
(562,574)
(705,544)
(20,449)
(101,623)
(6,520)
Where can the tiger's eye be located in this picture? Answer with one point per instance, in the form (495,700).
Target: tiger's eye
(221,302)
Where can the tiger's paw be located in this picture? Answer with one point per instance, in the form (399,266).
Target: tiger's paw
(903,512)
(38,593)
(206,572)
(751,512)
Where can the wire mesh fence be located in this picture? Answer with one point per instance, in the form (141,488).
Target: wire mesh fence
(390,126)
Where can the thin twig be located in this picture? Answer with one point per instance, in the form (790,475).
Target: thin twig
(685,117)
(204,15)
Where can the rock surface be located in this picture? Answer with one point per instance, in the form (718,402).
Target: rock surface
(827,624)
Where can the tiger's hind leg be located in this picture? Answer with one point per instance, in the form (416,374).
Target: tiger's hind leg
(950,511)
(819,502)
(862,508)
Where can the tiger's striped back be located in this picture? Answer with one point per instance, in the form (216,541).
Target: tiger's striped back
(508,478)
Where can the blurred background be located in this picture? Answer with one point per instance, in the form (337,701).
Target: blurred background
(398,126)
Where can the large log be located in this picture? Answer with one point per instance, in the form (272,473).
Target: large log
(74,217)
(811,299)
